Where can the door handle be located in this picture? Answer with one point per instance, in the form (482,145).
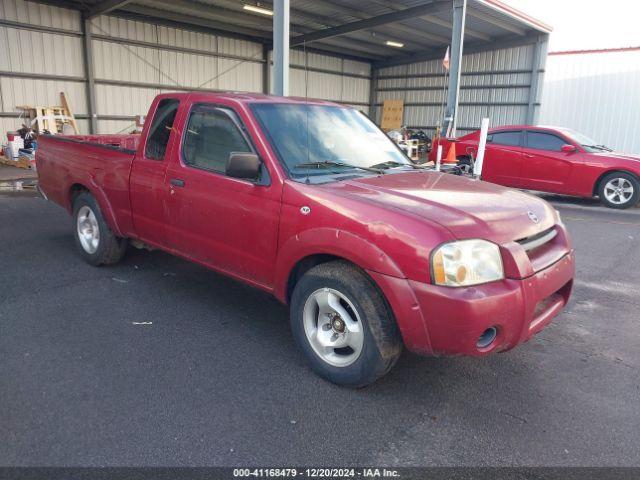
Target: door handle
(176,182)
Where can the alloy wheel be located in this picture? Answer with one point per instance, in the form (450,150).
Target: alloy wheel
(333,327)
(88,229)
(618,191)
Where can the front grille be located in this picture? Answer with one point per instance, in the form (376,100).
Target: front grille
(538,240)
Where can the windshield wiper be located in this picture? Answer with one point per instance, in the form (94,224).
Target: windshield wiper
(333,163)
(392,163)
(600,147)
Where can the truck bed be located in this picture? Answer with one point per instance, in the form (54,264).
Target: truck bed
(123,142)
(101,163)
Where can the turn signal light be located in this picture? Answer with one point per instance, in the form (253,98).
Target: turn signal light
(438,269)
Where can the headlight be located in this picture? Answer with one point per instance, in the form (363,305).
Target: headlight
(465,263)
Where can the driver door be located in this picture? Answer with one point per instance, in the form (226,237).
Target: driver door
(546,167)
(226,223)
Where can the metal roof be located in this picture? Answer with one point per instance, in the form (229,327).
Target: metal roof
(596,50)
(358,29)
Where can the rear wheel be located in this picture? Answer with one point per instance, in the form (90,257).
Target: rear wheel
(343,325)
(619,190)
(95,241)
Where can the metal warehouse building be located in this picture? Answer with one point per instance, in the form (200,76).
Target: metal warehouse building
(595,92)
(112,56)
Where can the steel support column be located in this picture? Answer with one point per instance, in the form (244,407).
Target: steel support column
(281,47)
(537,67)
(373,93)
(87,52)
(455,61)
(266,80)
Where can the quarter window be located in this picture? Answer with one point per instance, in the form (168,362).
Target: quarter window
(506,138)
(544,141)
(212,134)
(160,129)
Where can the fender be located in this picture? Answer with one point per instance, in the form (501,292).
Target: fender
(330,241)
(103,202)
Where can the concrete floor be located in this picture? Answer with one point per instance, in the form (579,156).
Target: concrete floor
(8,173)
(216,379)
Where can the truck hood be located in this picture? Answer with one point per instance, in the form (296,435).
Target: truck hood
(467,208)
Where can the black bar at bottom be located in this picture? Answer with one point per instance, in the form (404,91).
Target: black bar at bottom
(431,473)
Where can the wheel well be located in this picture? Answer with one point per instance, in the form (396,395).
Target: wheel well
(303,266)
(307,263)
(75,190)
(596,186)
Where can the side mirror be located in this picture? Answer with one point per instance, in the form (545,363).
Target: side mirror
(243,165)
(568,148)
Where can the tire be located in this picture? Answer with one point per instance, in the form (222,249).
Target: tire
(464,160)
(369,354)
(465,164)
(619,190)
(101,249)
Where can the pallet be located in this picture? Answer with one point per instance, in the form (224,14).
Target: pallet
(53,119)
(72,118)
(21,162)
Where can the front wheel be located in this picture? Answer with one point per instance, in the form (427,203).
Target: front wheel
(619,190)
(343,325)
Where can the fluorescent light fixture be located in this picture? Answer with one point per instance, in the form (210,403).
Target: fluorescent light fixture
(394,44)
(255,9)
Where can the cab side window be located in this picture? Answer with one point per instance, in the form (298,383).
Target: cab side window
(544,141)
(212,134)
(505,138)
(160,130)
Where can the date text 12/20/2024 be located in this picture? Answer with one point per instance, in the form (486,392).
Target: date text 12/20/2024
(315,472)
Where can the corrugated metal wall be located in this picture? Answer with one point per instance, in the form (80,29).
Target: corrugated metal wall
(597,94)
(26,55)
(330,78)
(494,84)
(41,56)
(134,61)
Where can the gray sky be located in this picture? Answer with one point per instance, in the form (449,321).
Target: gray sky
(586,24)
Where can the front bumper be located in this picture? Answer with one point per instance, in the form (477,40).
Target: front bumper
(437,320)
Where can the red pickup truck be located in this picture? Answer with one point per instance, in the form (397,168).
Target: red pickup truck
(310,201)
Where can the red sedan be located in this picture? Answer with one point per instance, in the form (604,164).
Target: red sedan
(555,160)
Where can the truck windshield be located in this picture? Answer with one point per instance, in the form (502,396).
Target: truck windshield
(322,140)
